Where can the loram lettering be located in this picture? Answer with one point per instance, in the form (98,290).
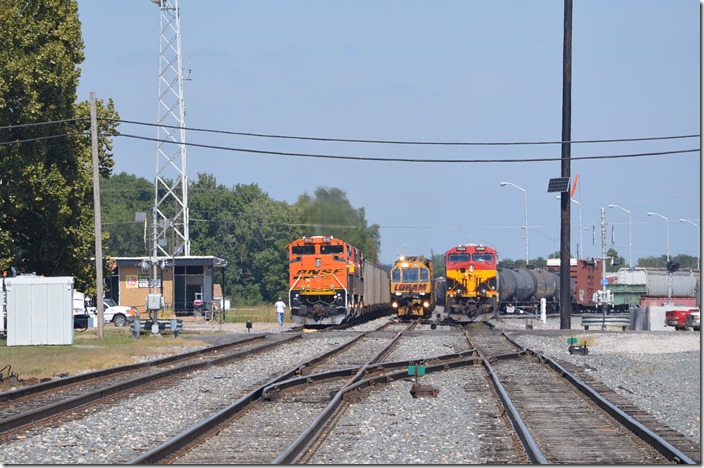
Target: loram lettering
(313,273)
(410,287)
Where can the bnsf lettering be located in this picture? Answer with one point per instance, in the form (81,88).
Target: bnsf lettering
(314,273)
(411,287)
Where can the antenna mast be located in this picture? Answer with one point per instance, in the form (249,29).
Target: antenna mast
(171,184)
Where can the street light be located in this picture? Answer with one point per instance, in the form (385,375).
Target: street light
(504,184)
(630,234)
(698,245)
(667,231)
(580,251)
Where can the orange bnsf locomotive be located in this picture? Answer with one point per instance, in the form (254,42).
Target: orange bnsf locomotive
(331,283)
(470,281)
(412,287)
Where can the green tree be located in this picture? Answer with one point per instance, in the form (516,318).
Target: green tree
(122,196)
(248,229)
(330,213)
(46,220)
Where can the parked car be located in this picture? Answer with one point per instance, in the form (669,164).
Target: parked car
(693,321)
(117,314)
(678,318)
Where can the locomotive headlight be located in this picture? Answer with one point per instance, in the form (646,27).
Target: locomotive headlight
(332,287)
(398,293)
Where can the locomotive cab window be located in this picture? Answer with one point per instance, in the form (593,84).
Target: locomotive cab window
(396,275)
(424,275)
(410,275)
(303,250)
(458,258)
(332,249)
(483,257)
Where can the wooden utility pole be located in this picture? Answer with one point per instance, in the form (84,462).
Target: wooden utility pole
(96,214)
(565,206)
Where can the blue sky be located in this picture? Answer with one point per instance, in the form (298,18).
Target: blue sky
(435,71)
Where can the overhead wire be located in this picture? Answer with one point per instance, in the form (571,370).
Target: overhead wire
(397,159)
(401,142)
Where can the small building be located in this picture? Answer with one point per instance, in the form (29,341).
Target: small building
(181,280)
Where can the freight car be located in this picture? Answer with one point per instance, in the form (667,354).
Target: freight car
(521,290)
(331,283)
(412,287)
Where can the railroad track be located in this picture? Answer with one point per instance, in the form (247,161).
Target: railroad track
(37,403)
(350,376)
(560,419)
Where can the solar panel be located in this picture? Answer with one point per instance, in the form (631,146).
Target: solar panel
(560,184)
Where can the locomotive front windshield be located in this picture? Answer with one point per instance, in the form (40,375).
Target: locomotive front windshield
(458,257)
(303,250)
(483,257)
(332,249)
(410,275)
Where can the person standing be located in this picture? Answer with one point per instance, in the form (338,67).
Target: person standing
(280,306)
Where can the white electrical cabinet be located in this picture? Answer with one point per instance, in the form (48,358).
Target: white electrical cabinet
(39,310)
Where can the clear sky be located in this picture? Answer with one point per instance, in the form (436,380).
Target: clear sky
(432,71)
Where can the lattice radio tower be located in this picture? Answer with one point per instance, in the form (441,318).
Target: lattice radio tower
(170,211)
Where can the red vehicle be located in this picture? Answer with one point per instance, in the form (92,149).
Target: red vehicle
(678,318)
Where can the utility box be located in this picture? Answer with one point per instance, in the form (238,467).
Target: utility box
(39,310)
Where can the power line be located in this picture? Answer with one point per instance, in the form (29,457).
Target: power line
(48,137)
(401,142)
(409,160)
(38,124)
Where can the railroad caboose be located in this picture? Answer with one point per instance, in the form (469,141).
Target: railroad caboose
(470,281)
(412,287)
(331,283)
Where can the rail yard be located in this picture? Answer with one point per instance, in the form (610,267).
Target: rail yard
(343,395)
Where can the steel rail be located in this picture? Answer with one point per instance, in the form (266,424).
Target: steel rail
(170,446)
(529,444)
(658,443)
(65,381)
(21,419)
(312,432)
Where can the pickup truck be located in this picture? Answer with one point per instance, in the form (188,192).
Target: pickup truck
(694,320)
(117,314)
(678,318)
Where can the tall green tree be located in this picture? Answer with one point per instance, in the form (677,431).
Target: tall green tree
(45,185)
(328,212)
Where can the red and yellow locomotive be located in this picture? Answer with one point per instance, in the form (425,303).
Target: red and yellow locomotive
(330,282)
(470,278)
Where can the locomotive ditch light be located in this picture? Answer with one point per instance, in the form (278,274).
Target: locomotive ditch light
(394,304)
(426,304)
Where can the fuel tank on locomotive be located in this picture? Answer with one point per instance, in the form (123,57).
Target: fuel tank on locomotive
(521,285)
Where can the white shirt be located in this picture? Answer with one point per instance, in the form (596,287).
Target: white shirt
(280,306)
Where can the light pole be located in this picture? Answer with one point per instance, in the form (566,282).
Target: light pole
(504,184)
(698,245)
(667,231)
(580,252)
(630,234)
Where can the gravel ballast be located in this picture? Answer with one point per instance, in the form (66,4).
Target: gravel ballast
(658,371)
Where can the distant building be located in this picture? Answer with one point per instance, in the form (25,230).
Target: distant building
(181,280)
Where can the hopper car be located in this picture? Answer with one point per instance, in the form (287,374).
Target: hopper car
(331,282)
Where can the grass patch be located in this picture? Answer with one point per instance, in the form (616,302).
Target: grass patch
(32,364)
(258,313)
